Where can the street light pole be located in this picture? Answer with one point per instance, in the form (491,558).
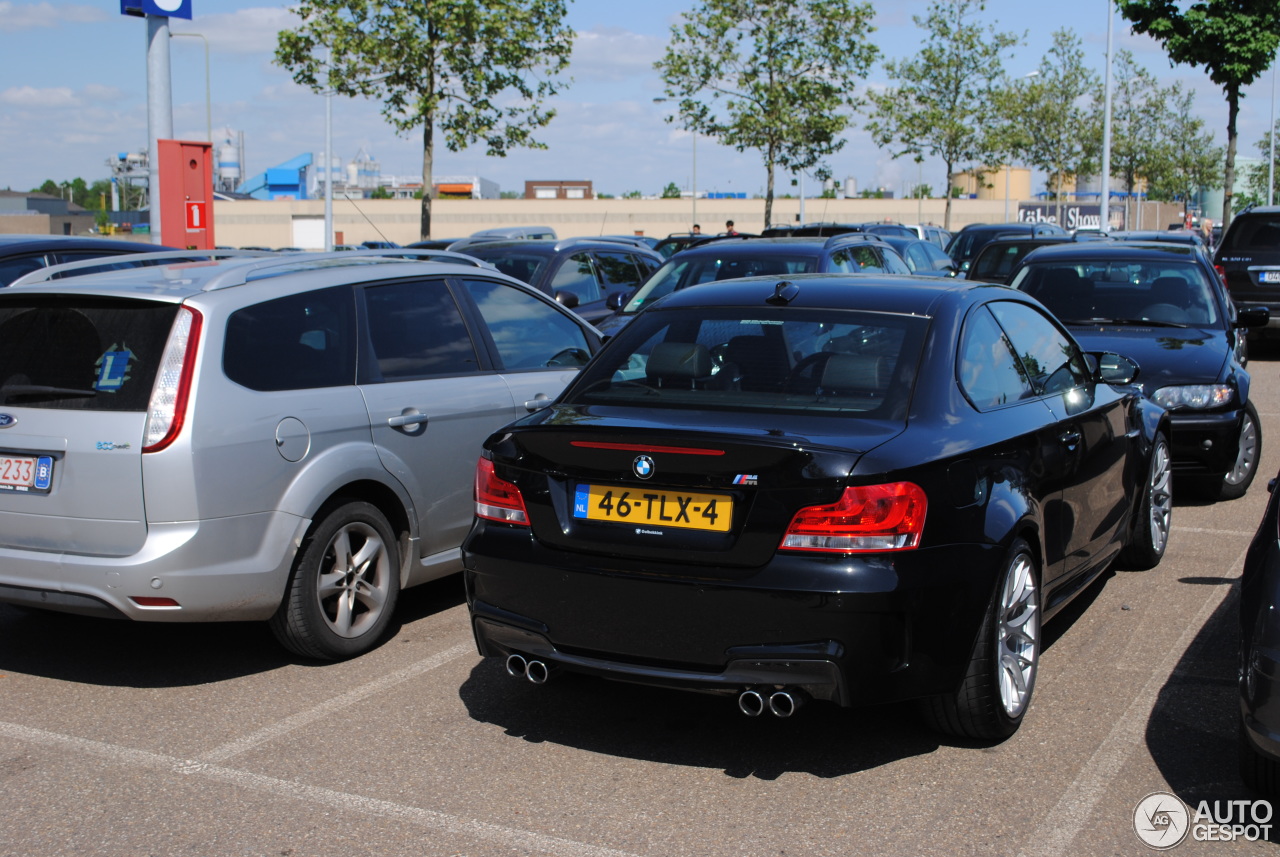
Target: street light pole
(328,161)
(1104,212)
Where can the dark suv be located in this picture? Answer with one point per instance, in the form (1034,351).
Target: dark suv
(21,254)
(850,253)
(966,243)
(580,273)
(1248,259)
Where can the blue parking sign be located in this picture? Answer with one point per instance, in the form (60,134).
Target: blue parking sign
(165,8)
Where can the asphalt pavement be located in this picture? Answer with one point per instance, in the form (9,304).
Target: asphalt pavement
(133,740)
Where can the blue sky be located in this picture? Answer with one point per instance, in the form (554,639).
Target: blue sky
(73,94)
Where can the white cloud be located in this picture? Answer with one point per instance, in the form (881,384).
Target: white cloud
(29,96)
(606,54)
(248,31)
(29,16)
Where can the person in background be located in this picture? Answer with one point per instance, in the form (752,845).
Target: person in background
(728,228)
(697,229)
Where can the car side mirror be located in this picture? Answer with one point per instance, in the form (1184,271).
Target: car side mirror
(616,300)
(568,300)
(1254,316)
(1111,368)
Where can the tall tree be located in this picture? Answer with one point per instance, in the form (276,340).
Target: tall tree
(1262,172)
(1187,159)
(1055,116)
(1234,40)
(480,70)
(1137,107)
(942,105)
(774,75)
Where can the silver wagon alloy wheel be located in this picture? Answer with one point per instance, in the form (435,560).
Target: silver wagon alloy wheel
(1018,630)
(353,591)
(344,586)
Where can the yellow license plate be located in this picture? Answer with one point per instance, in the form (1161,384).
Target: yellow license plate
(654,507)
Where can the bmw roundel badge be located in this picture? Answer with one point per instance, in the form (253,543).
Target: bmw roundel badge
(7,420)
(643,466)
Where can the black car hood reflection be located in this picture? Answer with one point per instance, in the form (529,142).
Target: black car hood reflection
(1165,355)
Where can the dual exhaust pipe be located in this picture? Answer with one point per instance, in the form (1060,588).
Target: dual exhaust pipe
(518,666)
(752,702)
(780,703)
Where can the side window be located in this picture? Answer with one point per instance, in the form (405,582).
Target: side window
(893,263)
(16,266)
(529,333)
(918,259)
(293,343)
(577,275)
(1051,360)
(989,373)
(618,270)
(416,330)
(868,260)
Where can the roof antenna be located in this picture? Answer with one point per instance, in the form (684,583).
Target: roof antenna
(783,293)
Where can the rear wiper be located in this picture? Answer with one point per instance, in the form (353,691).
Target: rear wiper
(43,391)
(1138,322)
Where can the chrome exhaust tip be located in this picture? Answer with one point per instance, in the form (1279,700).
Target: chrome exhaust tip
(784,703)
(517,666)
(751,703)
(538,672)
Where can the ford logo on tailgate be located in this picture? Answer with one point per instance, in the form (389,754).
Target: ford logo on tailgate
(7,420)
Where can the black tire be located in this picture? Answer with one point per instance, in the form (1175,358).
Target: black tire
(996,691)
(349,614)
(1149,534)
(1260,773)
(1237,480)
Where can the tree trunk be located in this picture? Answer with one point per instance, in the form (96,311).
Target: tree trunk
(1229,175)
(946,213)
(428,187)
(768,191)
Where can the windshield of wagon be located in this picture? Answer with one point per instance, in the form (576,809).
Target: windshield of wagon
(1160,292)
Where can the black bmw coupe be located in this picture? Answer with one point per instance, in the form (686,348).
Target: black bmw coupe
(850,489)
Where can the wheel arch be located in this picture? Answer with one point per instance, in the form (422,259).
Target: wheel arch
(386,501)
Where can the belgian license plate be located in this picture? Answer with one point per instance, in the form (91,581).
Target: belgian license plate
(1269,277)
(25,473)
(654,507)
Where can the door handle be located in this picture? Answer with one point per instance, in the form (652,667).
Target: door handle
(537,403)
(411,418)
(1070,439)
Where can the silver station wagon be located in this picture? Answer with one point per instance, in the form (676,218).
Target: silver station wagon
(288,438)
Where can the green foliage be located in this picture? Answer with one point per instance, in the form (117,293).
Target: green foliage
(50,187)
(380,192)
(1186,159)
(1234,41)
(777,76)
(633,194)
(922,191)
(1256,174)
(1055,120)
(510,194)
(479,70)
(605,196)
(942,103)
(671,191)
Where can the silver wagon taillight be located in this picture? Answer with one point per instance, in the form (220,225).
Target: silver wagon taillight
(168,407)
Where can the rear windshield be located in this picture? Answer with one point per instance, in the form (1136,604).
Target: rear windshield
(522,265)
(80,353)
(1176,294)
(790,359)
(1253,232)
(683,271)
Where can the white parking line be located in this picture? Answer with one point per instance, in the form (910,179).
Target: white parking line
(518,840)
(329,706)
(1060,826)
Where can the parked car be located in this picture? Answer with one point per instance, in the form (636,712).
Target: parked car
(924,258)
(851,489)
(1248,259)
(288,439)
(929,232)
(1259,678)
(1178,236)
(819,230)
(1164,306)
(966,243)
(782,257)
(20,254)
(998,258)
(580,273)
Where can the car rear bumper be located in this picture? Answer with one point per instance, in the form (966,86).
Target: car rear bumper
(224,569)
(851,630)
